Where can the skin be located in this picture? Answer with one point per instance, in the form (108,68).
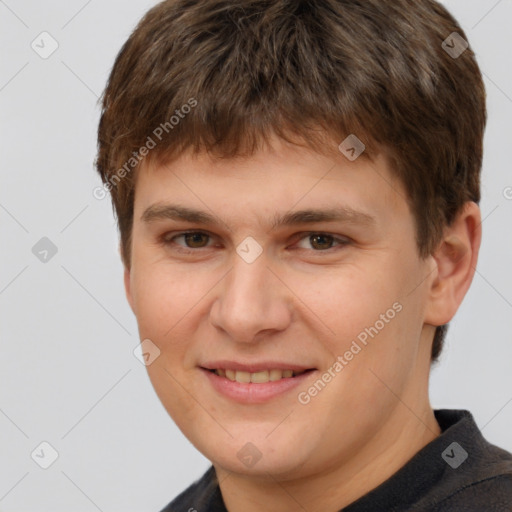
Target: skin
(301,302)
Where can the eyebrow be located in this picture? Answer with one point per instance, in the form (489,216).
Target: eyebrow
(161,211)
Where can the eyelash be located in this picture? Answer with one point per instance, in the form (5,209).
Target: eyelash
(166,241)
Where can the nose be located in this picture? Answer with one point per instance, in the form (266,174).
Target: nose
(252,302)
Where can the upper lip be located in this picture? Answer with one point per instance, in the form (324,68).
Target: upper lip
(253,366)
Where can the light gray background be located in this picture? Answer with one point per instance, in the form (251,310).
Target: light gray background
(68,373)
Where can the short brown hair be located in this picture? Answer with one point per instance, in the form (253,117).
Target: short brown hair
(300,69)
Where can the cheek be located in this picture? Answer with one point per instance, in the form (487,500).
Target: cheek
(348,301)
(371,323)
(164,297)
(165,301)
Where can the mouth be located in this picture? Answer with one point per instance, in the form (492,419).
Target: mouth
(258,377)
(250,384)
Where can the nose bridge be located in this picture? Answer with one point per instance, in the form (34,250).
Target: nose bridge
(250,300)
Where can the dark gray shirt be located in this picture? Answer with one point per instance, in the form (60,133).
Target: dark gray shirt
(458,471)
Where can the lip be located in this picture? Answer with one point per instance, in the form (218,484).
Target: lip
(254,367)
(252,393)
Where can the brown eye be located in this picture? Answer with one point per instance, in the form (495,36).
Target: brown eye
(195,240)
(186,242)
(321,241)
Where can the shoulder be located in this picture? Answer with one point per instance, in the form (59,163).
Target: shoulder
(493,494)
(482,479)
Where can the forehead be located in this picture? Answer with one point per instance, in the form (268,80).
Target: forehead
(276,186)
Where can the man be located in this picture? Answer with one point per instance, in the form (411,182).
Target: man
(297,186)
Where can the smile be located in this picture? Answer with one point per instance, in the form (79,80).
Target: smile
(258,377)
(256,386)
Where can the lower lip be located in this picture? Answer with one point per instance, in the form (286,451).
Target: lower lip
(251,393)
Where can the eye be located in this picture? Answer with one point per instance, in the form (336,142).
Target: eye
(322,241)
(192,239)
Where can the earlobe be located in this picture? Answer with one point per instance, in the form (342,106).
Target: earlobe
(456,259)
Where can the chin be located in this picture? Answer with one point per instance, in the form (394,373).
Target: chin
(258,457)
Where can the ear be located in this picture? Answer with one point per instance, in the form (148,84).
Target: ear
(455,261)
(127,284)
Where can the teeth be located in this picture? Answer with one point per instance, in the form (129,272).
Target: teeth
(275,375)
(242,376)
(257,377)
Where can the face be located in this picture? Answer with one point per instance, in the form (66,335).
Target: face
(297,275)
